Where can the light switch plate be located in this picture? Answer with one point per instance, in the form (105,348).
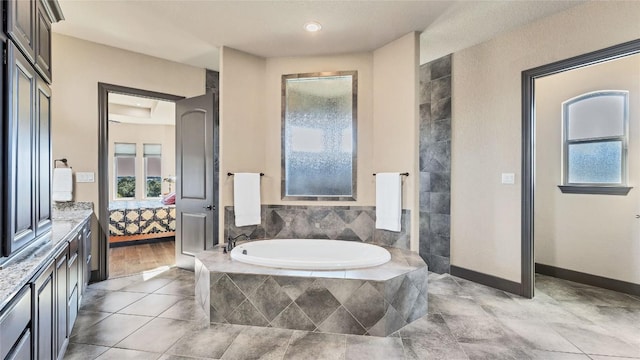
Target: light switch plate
(508,178)
(85,177)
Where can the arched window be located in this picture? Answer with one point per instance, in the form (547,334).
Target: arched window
(595,135)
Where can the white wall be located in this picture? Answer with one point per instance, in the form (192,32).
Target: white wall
(486,127)
(395,119)
(594,234)
(78,66)
(139,134)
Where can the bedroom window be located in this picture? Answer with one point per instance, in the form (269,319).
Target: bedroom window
(595,135)
(124,162)
(152,170)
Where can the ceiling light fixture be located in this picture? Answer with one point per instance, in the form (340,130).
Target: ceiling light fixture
(312,26)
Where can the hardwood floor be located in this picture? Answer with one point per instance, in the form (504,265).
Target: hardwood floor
(134,259)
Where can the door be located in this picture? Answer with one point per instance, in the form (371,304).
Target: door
(196,193)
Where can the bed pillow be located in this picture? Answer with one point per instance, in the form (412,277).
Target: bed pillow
(170,199)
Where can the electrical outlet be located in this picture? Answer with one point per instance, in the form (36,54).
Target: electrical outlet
(508,178)
(85,177)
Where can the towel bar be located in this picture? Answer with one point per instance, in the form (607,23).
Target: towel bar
(230,174)
(63,160)
(401,174)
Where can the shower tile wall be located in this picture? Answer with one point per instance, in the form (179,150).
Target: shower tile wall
(435,163)
(355,223)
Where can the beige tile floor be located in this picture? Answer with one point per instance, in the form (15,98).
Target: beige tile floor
(154,316)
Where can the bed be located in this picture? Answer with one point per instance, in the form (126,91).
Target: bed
(131,220)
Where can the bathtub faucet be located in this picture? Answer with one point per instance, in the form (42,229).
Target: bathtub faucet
(231,242)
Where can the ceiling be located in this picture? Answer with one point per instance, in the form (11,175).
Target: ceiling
(192,32)
(128,109)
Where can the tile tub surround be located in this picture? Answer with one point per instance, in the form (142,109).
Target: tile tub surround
(435,163)
(371,301)
(66,219)
(353,223)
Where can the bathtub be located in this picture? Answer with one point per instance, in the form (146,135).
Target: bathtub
(310,254)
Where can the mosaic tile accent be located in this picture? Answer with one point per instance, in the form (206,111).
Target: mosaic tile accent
(435,163)
(360,305)
(353,223)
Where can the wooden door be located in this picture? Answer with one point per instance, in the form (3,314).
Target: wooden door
(196,195)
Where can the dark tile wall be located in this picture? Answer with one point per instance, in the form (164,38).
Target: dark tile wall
(355,223)
(212,81)
(435,163)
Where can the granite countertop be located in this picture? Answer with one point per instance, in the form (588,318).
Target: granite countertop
(66,220)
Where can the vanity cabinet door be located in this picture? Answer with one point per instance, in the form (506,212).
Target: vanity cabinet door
(61,303)
(43,157)
(43,41)
(44,314)
(21,25)
(14,319)
(20,143)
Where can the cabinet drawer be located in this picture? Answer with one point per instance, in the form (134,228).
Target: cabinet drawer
(14,319)
(73,269)
(74,243)
(23,349)
(73,309)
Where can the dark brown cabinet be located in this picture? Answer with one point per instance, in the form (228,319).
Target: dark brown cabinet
(21,25)
(62,295)
(43,157)
(44,313)
(43,40)
(15,322)
(21,197)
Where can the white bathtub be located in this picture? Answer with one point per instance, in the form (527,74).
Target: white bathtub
(311,254)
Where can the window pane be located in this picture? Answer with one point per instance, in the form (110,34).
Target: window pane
(317,137)
(152,149)
(154,166)
(595,162)
(154,186)
(126,187)
(596,116)
(125,166)
(125,149)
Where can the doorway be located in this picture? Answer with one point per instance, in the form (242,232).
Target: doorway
(142,168)
(529,78)
(136,155)
(196,173)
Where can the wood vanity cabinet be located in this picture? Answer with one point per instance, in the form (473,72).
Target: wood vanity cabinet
(29,26)
(21,25)
(25,105)
(44,306)
(15,326)
(62,296)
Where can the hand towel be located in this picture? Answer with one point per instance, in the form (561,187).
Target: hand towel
(62,184)
(246,198)
(388,201)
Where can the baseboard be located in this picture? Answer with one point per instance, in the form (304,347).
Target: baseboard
(588,279)
(488,280)
(141,242)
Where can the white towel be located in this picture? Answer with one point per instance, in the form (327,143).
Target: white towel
(388,201)
(246,198)
(62,184)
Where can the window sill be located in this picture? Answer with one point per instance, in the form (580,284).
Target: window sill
(594,190)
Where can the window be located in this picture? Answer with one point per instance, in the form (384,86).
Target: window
(595,142)
(153,170)
(319,136)
(124,162)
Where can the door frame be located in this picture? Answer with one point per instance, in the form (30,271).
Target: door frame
(528,147)
(103,165)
